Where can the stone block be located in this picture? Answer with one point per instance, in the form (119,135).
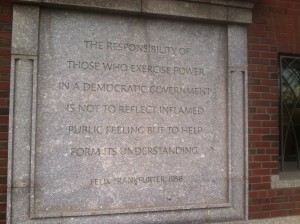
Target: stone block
(120,118)
(25,30)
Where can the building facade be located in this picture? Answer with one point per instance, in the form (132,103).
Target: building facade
(273,47)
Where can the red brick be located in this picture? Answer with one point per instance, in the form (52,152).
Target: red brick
(261,158)
(262,194)
(259,144)
(270,207)
(3,136)
(261,172)
(5,3)
(259,89)
(5,18)
(254,96)
(255,179)
(290,191)
(270,165)
(297,191)
(262,61)
(273,110)
(253,40)
(3,119)
(294,212)
(255,137)
(270,96)
(3,153)
(4,85)
(261,110)
(2,208)
(266,179)
(280,192)
(254,165)
(260,117)
(260,20)
(253,194)
(4,52)
(280,199)
(3,171)
(292,205)
(279,213)
(254,124)
(261,186)
(261,130)
(255,208)
(259,215)
(272,193)
(253,53)
(259,201)
(269,123)
(258,75)
(3,188)
(5,35)
(260,47)
(271,68)
(270,82)
(268,54)
(264,103)
(274,89)
(294,198)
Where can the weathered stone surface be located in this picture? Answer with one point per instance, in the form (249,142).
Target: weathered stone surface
(21,110)
(239,15)
(25,32)
(186,9)
(235,3)
(135,130)
(139,118)
(210,10)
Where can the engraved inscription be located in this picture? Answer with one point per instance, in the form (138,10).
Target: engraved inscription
(131,120)
(122,88)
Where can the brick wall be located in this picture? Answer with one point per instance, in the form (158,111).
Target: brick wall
(5,44)
(275,29)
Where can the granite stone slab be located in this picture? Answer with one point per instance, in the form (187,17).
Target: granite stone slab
(209,10)
(127,119)
(25,32)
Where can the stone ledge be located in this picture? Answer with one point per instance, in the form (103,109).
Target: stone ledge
(208,10)
(235,3)
(119,5)
(286,180)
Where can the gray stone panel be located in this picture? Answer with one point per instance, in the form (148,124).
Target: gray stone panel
(55,119)
(237,40)
(20,210)
(218,10)
(185,9)
(25,30)
(20,126)
(239,15)
(127,119)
